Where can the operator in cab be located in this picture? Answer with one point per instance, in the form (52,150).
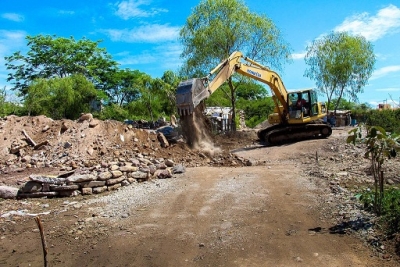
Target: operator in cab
(300,102)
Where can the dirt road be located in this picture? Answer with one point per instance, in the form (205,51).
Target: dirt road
(264,215)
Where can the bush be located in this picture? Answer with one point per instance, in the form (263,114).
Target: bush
(387,119)
(390,217)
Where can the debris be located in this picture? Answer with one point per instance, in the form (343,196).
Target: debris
(30,140)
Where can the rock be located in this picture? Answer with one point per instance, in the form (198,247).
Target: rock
(67,145)
(125,182)
(8,192)
(104,176)
(115,181)
(179,168)
(152,169)
(93,123)
(251,162)
(135,162)
(87,191)
(390,182)
(169,162)
(64,187)
(80,178)
(47,179)
(128,168)
(26,158)
(114,167)
(85,117)
(139,175)
(45,128)
(163,141)
(92,184)
(90,151)
(98,190)
(31,186)
(64,127)
(113,187)
(162,174)
(161,166)
(116,174)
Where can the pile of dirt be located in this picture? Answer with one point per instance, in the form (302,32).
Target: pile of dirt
(32,145)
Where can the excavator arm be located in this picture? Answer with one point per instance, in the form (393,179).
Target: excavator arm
(191,92)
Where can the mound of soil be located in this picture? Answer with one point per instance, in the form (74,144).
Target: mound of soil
(33,145)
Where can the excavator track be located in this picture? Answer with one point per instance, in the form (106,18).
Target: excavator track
(280,134)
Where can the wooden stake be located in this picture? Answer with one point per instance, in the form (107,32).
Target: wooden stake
(44,245)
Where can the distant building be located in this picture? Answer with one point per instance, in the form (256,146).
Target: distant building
(384,106)
(221,117)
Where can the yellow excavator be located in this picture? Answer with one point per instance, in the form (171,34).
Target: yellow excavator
(297,114)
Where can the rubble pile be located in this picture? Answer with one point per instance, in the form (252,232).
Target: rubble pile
(46,157)
(106,177)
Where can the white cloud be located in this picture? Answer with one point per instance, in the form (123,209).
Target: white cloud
(144,34)
(131,9)
(11,41)
(66,12)
(301,55)
(13,16)
(148,59)
(384,71)
(386,21)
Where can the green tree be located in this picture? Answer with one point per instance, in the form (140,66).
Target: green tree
(253,99)
(340,64)
(60,97)
(216,28)
(341,104)
(170,81)
(123,86)
(51,56)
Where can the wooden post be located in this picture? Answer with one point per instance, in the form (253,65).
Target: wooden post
(44,245)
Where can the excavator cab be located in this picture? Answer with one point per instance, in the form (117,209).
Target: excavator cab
(189,94)
(299,104)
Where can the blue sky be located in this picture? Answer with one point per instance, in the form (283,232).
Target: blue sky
(142,34)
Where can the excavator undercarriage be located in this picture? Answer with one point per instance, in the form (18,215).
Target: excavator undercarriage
(279,134)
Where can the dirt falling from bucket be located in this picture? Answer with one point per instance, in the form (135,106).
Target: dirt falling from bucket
(197,131)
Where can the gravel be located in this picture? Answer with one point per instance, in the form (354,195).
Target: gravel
(121,202)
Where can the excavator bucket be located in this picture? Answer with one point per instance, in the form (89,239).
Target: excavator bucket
(189,94)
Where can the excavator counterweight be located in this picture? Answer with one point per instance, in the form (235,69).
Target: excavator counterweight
(189,94)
